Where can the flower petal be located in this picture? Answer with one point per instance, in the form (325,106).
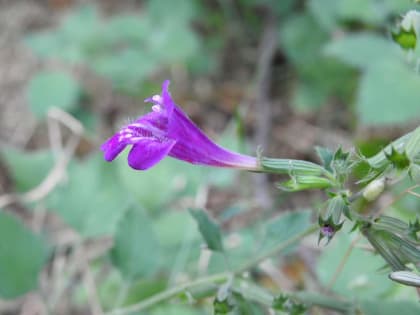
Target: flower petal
(147,152)
(112,147)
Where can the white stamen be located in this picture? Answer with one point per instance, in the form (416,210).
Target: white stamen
(156,108)
(157,99)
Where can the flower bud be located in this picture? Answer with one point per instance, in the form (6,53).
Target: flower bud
(405,277)
(374,189)
(411,20)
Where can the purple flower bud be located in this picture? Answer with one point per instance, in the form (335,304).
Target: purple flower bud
(167,130)
(327,231)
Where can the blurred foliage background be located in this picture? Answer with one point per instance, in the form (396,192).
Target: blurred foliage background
(81,236)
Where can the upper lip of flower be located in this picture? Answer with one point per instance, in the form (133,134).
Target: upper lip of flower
(167,130)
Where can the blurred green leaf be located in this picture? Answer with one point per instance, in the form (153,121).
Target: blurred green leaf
(160,184)
(52,89)
(125,48)
(381,307)
(319,78)
(136,249)
(27,169)
(324,11)
(172,228)
(92,201)
(301,38)
(287,226)
(22,256)
(362,50)
(174,309)
(208,229)
(182,13)
(352,281)
(361,10)
(392,99)
(332,14)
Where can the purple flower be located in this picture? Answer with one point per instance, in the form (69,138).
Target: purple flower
(167,130)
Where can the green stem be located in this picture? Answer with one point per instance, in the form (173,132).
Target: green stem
(167,294)
(220,277)
(257,294)
(316,299)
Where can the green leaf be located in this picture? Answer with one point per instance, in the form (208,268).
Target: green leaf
(92,201)
(362,49)
(136,249)
(325,12)
(320,80)
(287,226)
(52,89)
(22,256)
(360,10)
(381,307)
(301,38)
(27,169)
(173,228)
(174,309)
(391,100)
(352,281)
(412,148)
(160,184)
(326,156)
(208,229)
(182,13)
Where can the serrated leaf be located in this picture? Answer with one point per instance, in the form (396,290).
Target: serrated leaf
(208,229)
(22,256)
(52,89)
(136,249)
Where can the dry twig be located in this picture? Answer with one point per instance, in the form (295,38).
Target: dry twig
(58,171)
